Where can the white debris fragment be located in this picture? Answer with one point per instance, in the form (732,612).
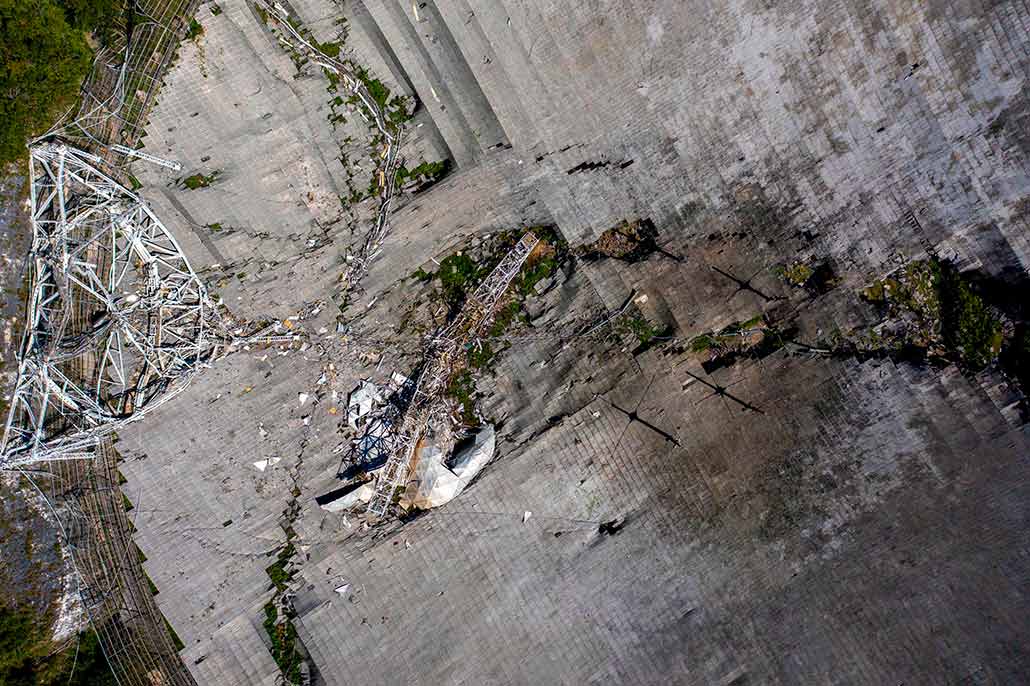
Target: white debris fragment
(261,465)
(526,515)
(595,414)
(641,300)
(342,590)
(440,480)
(361,401)
(302,398)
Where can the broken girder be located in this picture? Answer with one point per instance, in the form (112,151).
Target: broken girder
(117,323)
(441,358)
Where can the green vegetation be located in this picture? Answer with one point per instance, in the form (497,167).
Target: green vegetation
(200,180)
(968,326)
(535,272)
(425,174)
(126,503)
(91,15)
(461,388)
(940,314)
(176,641)
(27,656)
(195,30)
(505,316)
(750,337)
(480,356)
(283,636)
(330,49)
(458,275)
(277,570)
(795,273)
(422,276)
(642,328)
(45,57)
(702,343)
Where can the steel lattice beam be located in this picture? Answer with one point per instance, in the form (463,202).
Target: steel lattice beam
(117,321)
(442,358)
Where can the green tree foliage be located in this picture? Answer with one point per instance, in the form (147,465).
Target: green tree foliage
(90,15)
(42,62)
(26,659)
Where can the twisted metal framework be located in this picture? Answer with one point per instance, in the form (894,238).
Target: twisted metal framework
(442,357)
(117,321)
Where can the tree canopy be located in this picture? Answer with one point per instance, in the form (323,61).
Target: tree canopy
(26,657)
(42,62)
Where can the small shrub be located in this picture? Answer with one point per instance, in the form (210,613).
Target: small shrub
(796,273)
(460,388)
(195,30)
(968,326)
(200,180)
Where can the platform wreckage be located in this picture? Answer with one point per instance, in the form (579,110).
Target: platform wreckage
(117,322)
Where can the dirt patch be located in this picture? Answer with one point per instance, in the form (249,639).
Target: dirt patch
(629,241)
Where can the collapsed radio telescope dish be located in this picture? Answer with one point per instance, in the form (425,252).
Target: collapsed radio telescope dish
(117,322)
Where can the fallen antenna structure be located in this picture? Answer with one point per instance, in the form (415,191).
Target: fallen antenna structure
(147,157)
(117,322)
(442,357)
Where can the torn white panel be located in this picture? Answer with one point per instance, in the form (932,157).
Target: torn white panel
(438,484)
(262,465)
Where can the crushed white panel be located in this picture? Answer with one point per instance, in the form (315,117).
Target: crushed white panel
(438,484)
